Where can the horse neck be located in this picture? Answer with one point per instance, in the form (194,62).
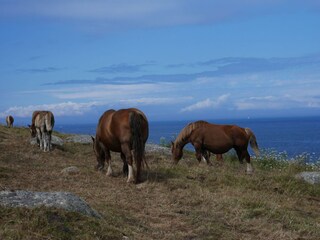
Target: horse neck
(184,136)
(182,140)
(101,149)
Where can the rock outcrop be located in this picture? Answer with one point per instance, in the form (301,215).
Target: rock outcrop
(84,139)
(55,140)
(70,170)
(64,200)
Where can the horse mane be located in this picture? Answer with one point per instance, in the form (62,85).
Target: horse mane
(187,130)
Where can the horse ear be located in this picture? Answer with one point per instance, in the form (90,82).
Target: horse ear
(92,139)
(172,143)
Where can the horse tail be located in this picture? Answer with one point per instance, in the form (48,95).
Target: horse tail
(138,143)
(253,141)
(49,121)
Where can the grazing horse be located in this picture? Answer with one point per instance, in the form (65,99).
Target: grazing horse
(41,126)
(9,121)
(217,139)
(124,131)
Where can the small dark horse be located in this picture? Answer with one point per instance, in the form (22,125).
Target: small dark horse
(9,121)
(217,139)
(123,131)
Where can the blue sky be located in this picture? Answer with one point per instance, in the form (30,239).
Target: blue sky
(173,59)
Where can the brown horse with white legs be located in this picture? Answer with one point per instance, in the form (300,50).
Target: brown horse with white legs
(9,121)
(42,124)
(217,139)
(125,131)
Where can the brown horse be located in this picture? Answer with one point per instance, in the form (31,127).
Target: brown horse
(41,126)
(124,131)
(217,139)
(9,121)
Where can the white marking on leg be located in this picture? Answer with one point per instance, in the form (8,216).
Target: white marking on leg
(41,143)
(249,168)
(109,171)
(130,175)
(45,142)
(204,159)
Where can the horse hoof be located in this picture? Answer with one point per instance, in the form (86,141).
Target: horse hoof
(130,180)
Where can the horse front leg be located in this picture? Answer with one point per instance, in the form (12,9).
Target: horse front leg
(108,160)
(199,151)
(206,157)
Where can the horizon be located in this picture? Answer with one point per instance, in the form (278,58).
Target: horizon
(172,59)
(23,122)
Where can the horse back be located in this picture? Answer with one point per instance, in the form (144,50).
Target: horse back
(238,134)
(219,138)
(106,132)
(115,127)
(43,119)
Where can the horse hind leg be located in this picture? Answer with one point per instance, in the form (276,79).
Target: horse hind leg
(49,140)
(46,142)
(249,166)
(125,169)
(128,156)
(40,138)
(245,154)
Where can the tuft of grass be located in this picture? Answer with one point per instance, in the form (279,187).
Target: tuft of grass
(47,223)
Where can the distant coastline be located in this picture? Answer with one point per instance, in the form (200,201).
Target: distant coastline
(291,136)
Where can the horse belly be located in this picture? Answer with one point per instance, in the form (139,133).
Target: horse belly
(218,146)
(112,144)
(218,149)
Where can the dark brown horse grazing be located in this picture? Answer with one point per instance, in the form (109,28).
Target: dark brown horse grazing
(217,139)
(42,124)
(9,121)
(123,131)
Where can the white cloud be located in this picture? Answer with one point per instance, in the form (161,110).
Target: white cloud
(59,109)
(109,92)
(284,102)
(208,103)
(154,100)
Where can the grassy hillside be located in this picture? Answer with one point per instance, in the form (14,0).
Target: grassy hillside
(187,201)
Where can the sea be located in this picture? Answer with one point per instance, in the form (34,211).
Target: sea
(289,137)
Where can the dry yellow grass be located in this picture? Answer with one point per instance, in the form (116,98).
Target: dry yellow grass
(188,201)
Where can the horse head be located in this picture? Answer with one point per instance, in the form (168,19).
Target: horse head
(99,153)
(176,152)
(33,131)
